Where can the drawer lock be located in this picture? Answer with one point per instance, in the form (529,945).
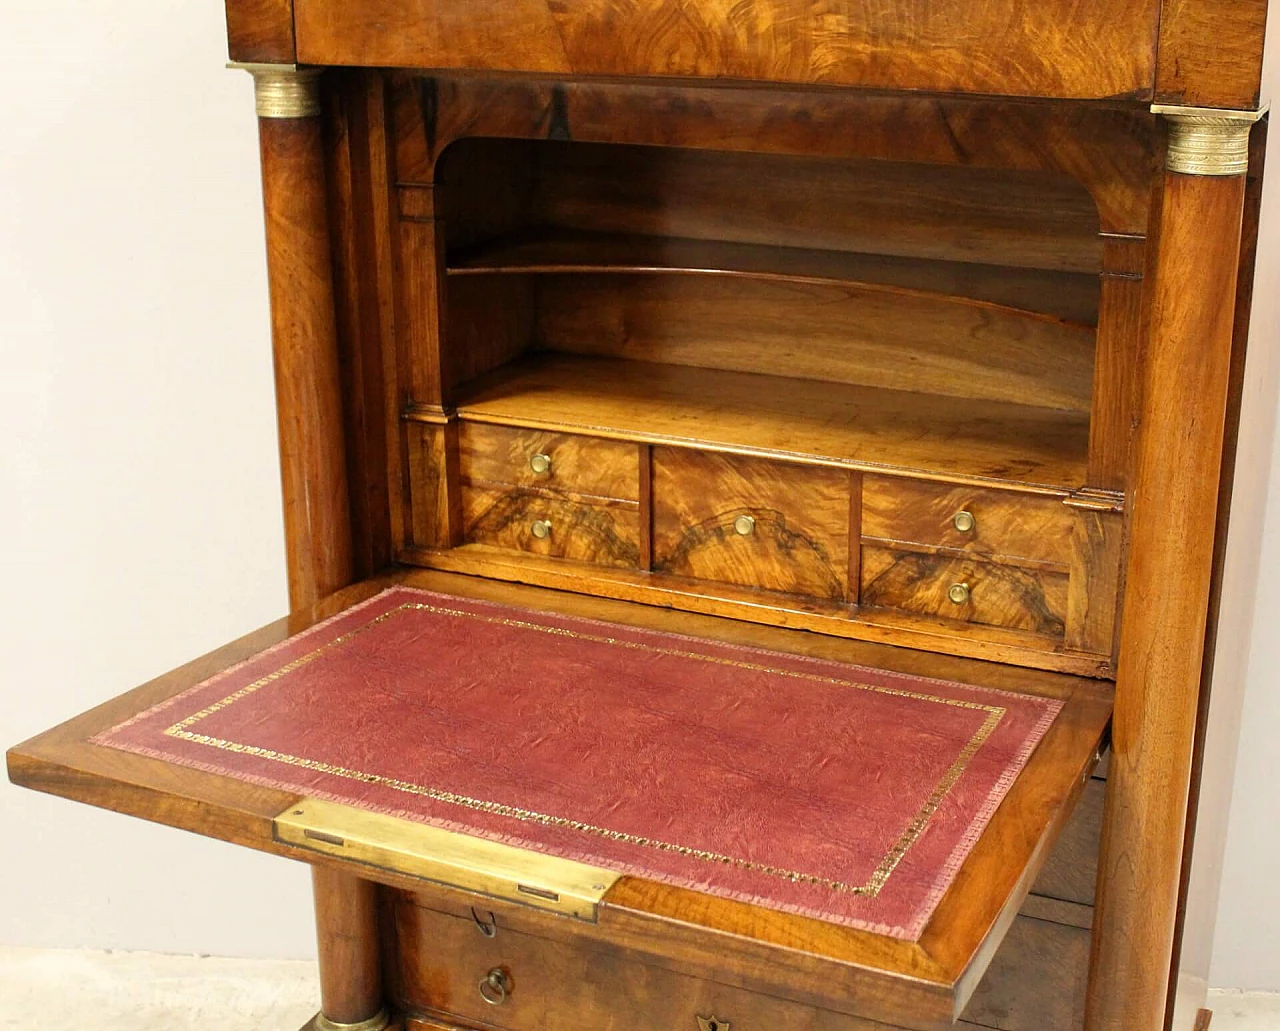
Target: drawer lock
(963,521)
(958,593)
(540,464)
(744,526)
(541,529)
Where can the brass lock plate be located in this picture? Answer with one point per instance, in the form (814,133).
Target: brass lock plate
(455,860)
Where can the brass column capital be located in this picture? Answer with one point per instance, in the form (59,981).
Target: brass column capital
(1206,140)
(284,90)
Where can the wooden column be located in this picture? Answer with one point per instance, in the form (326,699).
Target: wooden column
(1175,494)
(317,517)
(350,969)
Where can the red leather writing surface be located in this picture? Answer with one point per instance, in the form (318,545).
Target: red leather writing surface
(815,787)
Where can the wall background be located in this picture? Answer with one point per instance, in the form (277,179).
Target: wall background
(139,496)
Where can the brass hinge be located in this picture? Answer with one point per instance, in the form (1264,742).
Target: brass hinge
(445,857)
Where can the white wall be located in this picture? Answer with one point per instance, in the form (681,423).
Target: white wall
(139,502)
(139,498)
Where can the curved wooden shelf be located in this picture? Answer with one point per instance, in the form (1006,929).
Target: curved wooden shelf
(1067,297)
(959,440)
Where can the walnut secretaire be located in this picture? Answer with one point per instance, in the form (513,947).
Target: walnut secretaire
(907,336)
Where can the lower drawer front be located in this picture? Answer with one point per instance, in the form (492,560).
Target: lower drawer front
(605,533)
(751,522)
(534,984)
(964,588)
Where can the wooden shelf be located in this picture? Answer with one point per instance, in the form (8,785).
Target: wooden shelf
(947,438)
(1070,297)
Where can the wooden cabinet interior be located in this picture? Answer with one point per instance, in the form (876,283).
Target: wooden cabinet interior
(807,316)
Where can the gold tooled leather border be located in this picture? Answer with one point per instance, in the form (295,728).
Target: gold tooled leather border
(873,886)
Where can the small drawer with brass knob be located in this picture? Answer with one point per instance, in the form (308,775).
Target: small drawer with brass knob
(565,463)
(1008,524)
(753,522)
(954,586)
(526,519)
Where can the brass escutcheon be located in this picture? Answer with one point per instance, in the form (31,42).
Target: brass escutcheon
(541,529)
(958,593)
(540,464)
(744,525)
(712,1023)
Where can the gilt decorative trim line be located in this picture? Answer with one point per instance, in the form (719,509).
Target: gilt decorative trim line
(872,887)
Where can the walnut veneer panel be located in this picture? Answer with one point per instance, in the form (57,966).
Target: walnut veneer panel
(797,537)
(546,523)
(1003,523)
(993,593)
(575,465)
(1009,47)
(260,31)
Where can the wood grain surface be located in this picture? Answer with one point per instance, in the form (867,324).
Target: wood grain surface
(1005,524)
(1112,150)
(260,31)
(594,531)
(838,333)
(994,593)
(1024,650)
(1067,296)
(304,337)
(1166,598)
(798,538)
(865,428)
(1011,47)
(578,466)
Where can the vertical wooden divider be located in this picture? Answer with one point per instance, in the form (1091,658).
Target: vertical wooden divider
(646,507)
(854,590)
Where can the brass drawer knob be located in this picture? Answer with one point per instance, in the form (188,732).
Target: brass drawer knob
(495,986)
(963,521)
(541,529)
(540,464)
(958,593)
(744,526)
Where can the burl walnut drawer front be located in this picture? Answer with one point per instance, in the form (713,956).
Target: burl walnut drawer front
(972,519)
(554,494)
(958,586)
(605,533)
(453,968)
(751,522)
(562,462)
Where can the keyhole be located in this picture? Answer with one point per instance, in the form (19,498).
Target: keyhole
(713,1026)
